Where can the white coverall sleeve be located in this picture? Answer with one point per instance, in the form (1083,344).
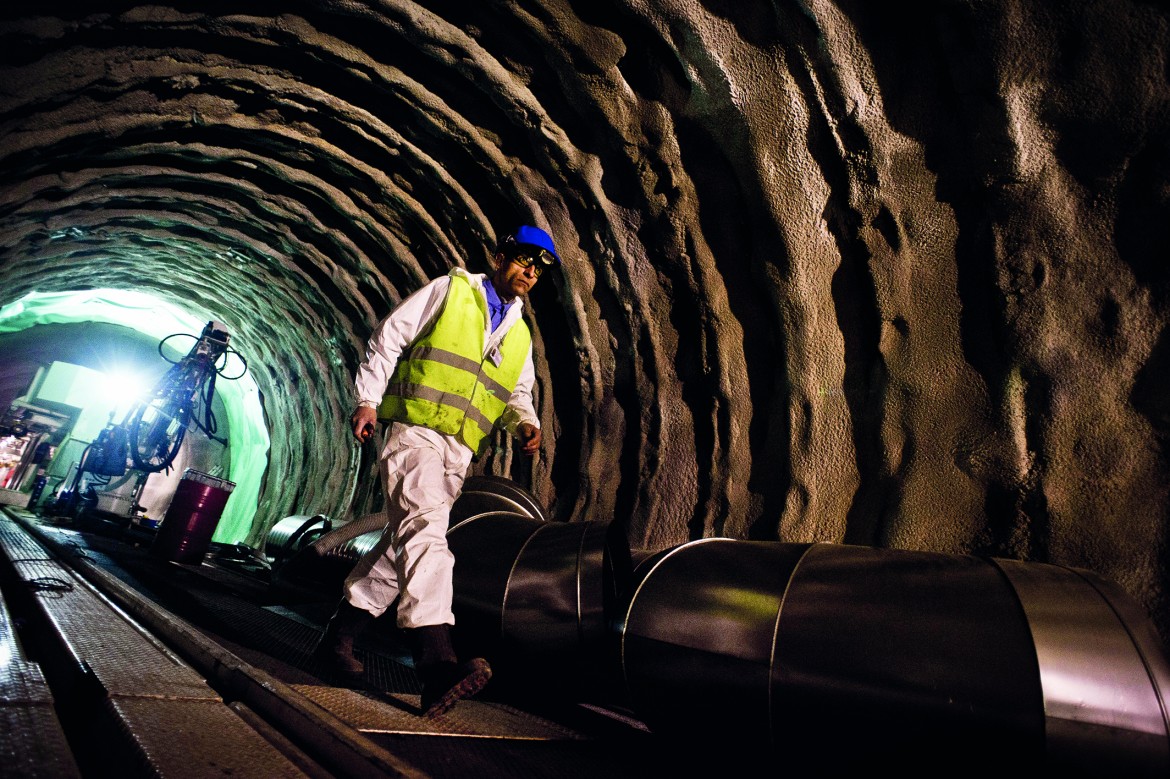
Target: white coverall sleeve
(520,408)
(392,336)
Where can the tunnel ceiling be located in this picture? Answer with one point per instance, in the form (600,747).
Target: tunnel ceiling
(833,272)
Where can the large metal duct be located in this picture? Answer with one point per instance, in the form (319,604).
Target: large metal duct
(538,598)
(862,656)
(482,494)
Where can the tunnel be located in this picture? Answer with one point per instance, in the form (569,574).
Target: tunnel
(833,272)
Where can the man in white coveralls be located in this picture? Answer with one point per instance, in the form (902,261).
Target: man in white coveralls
(450,363)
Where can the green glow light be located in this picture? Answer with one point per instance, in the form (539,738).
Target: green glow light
(247,434)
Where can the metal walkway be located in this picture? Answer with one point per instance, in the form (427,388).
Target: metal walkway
(120,663)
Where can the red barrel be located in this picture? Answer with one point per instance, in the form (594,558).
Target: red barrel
(186,530)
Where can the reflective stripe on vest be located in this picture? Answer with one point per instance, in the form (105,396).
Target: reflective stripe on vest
(445,383)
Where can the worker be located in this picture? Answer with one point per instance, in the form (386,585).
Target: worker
(448,365)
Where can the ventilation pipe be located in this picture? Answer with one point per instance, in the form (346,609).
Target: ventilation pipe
(863,656)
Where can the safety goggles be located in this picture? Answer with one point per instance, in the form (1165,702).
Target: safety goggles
(538,261)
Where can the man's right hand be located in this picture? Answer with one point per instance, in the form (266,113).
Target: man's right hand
(362,418)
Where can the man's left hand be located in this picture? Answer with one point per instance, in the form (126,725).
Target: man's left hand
(529,435)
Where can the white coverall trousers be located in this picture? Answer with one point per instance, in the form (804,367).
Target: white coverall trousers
(422,475)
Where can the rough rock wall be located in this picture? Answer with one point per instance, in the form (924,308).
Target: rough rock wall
(849,272)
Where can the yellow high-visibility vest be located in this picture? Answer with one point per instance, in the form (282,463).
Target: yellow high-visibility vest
(443,381)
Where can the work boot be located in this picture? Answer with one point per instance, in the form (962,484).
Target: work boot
(447,683)
(445,680)
(335,648)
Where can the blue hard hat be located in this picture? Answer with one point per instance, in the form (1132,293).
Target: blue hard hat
(534,236)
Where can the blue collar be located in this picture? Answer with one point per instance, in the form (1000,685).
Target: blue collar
(496,307)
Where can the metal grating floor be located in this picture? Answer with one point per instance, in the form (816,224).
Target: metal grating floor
(263,706)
